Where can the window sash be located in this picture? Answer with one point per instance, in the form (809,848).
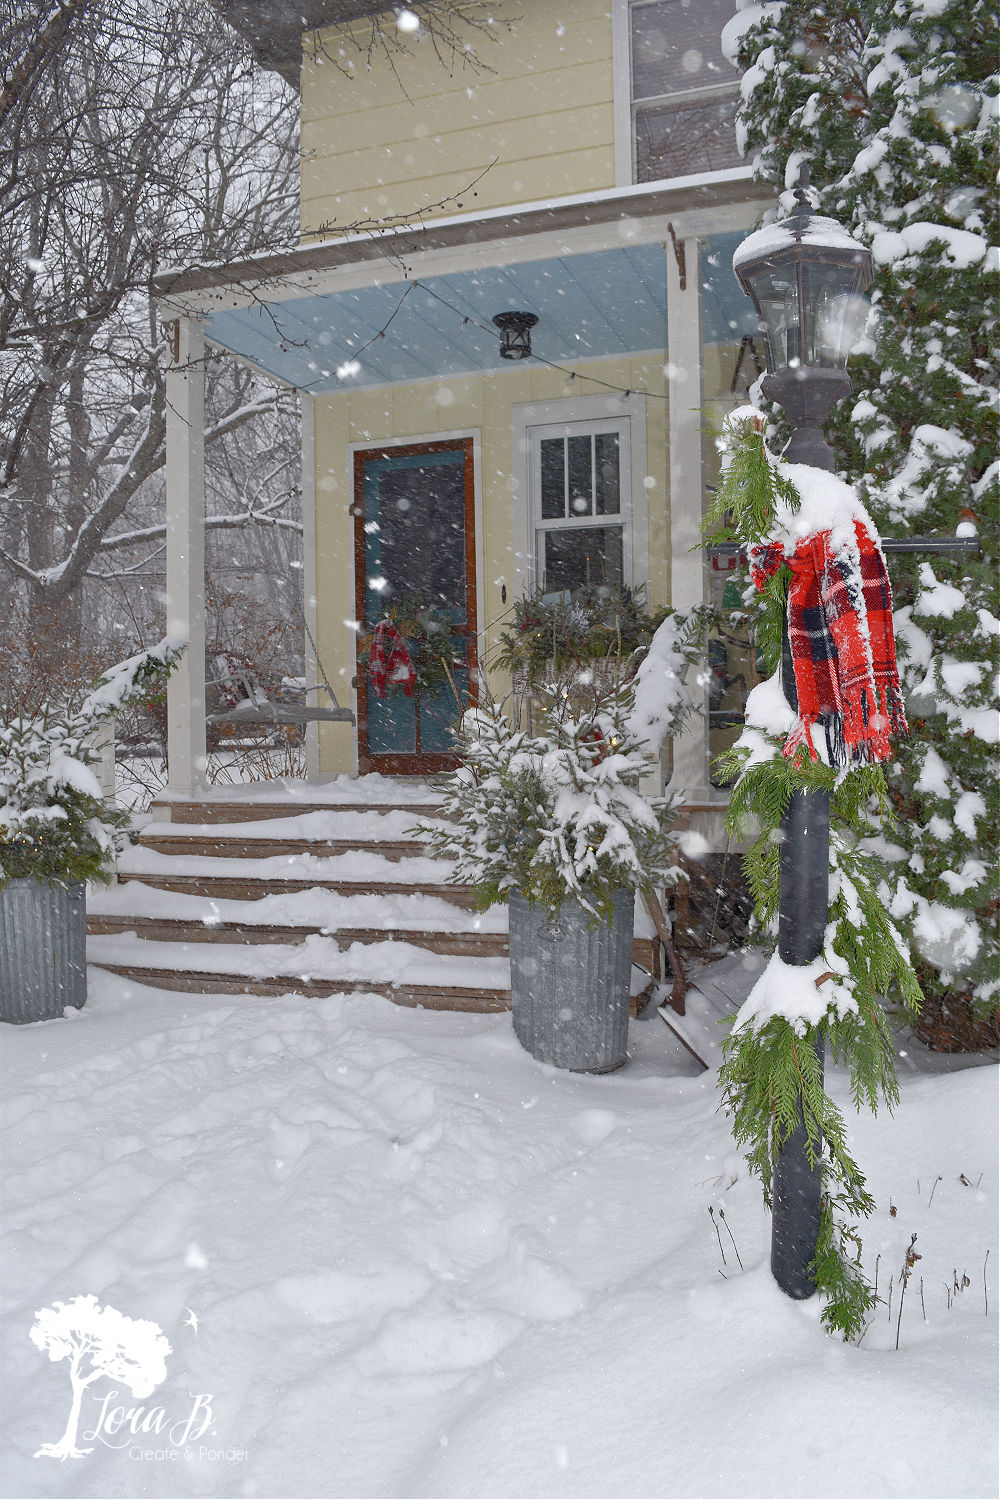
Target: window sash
(701,142)
(591,518)
(686,29)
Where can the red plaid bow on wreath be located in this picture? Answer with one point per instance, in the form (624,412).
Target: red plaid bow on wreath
(843,648)
(389,661)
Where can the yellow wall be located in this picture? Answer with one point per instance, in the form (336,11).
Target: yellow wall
(536,120)
(481,405)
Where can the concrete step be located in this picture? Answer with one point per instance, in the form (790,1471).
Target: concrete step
(253,887)
(218,810)
(645,951)
(180,930)
(219,846)
(429,997)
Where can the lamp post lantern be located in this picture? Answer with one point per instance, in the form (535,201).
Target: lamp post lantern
(806,277)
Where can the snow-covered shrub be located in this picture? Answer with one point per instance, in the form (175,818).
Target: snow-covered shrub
(558,814)
(894,103)
(55,825)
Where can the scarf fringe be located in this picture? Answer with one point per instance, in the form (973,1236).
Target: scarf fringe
(801,735)
(858,737)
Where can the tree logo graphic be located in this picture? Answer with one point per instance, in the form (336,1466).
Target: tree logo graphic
(98,1342)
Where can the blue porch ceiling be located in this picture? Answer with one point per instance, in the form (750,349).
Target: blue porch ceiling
(588,306)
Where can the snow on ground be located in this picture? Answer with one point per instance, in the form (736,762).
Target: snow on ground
(421,1264)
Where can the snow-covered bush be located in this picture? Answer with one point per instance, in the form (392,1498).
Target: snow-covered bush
(55,825)
(894,103)
(558,814)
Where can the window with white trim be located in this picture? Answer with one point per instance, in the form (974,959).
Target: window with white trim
(684,92)
(581,515)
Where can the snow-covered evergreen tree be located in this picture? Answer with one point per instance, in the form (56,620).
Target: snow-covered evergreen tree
(894,103)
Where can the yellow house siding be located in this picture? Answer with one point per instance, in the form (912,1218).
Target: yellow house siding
(480,404)
(540,125)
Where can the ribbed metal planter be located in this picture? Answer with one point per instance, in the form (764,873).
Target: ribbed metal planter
(570,982)
(43,950)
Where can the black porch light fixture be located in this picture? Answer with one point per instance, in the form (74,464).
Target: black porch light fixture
(806,277)
(515,333)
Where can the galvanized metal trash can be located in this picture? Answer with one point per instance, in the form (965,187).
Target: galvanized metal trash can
(43,949)
(570,983)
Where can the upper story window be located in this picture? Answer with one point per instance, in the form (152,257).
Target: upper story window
(684,92)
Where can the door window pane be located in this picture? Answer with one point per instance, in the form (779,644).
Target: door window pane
(415,533)
(582,556)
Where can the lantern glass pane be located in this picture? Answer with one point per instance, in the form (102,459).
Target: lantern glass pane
(775,291)
(834,311)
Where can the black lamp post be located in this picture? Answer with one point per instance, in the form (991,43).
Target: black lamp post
(805,276)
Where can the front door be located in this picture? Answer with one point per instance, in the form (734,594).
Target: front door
(414,549)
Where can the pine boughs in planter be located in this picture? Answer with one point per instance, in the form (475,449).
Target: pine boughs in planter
(553,634)
(557,814)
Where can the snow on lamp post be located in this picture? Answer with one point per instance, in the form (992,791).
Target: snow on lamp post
(806,277)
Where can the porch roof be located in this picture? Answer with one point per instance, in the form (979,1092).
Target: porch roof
(408,304)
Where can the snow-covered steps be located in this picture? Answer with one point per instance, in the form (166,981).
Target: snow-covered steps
(267,895)
(284,798)
(425,921)
(320,831)
(317,966)
(361,873)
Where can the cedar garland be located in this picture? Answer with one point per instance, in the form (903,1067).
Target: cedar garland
(762,1082)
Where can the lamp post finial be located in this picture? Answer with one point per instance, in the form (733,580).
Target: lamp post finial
(802,186)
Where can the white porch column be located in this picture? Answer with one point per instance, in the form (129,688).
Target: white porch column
(687,566)
(311,663)
(186,553)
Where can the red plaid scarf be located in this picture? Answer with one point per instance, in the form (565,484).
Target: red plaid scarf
(843,649)
(389,661)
